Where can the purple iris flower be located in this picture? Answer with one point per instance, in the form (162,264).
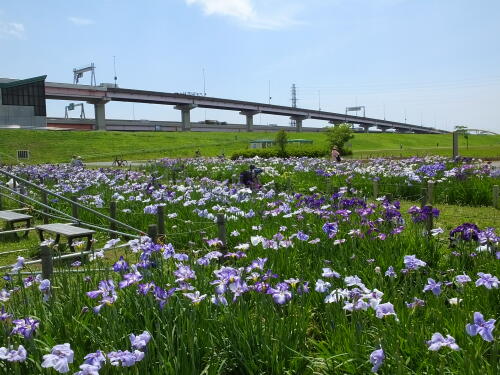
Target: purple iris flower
(183,273)
(4,315)
(281,293)
(327,272)
(322,286)
(95,359)
(481,327)
(87,369)
(25,327)
(416,303)
(385,309)
(376,359)
(438,341)
(144,289)
(257,264)
(106,291)
(487,280)
(59,358)
(140,341)
(121,265)
(19,264)
(130,278)
(125,358)
(302,236)
(238,288)
(168,251)
(465,232)
(462,279)
(353,280)
(413,263)
(390,272)
(13,355)
(162,295)
(488,236)
(330,229)
(433,286)
(44,287)
(195,297)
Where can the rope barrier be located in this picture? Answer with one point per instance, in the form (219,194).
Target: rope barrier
(68,200)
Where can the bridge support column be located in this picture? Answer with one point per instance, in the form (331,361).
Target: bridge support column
(186,115)
(366,128)
(382,128)
(100,115)
(249,118)
(298,122)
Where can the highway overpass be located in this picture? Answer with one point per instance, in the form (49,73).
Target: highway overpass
(101,95)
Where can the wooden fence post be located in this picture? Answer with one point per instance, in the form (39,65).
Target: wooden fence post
(161,220)
(496,202)
(47,264)
(423,198)
(153,232)
(74,207)
(112,214)
(430,192)
(429,222)
(221,227)
(375,189)
(45,201)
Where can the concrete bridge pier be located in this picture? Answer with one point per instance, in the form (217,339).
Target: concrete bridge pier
(100,114)
(366,128)
(382,128)
(249,119)
(185,115)
(298,122)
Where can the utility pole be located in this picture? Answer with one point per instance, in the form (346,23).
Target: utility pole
(293,123)
(114,69)
(269,92)
(319,100)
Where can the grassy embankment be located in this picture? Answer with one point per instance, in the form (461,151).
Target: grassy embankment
(55,147)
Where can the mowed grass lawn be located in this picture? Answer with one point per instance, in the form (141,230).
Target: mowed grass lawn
(59,146)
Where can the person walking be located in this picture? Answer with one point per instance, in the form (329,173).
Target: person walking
(336,154)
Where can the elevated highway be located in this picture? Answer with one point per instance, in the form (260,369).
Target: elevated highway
(100,95)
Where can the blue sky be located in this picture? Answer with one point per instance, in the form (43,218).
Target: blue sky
(438,61)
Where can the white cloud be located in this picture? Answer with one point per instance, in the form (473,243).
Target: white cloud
(247,13)
(11,29)
(80,21)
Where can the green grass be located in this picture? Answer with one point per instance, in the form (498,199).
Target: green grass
(57,147)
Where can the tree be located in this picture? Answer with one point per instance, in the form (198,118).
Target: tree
(464,131)
(281,141)
(337,136)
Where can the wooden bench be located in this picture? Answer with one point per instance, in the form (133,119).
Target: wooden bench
(12,218)
(67,230)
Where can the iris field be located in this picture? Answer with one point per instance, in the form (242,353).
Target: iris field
(316,275)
